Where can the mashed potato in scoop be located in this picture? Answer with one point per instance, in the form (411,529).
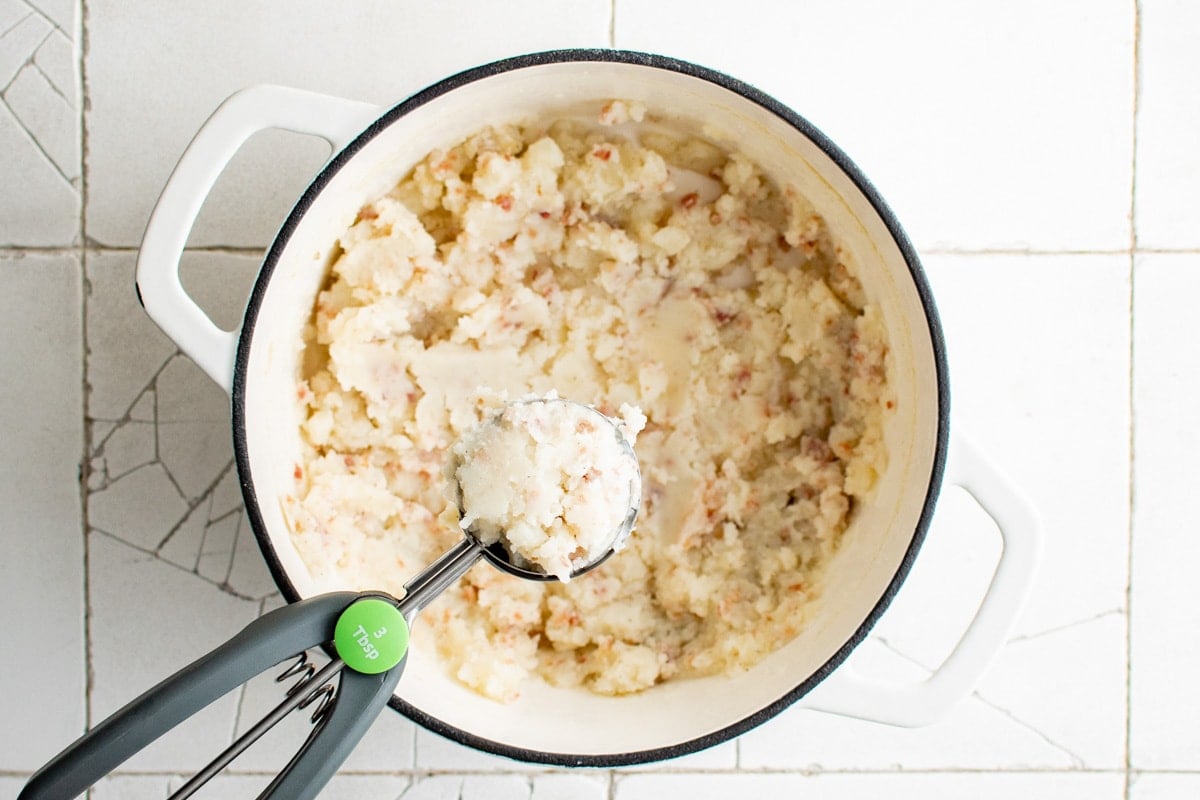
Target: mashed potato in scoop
(553,481)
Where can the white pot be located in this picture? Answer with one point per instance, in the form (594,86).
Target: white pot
(374,148)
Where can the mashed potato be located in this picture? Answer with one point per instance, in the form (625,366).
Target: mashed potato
(618,261)
(553,481)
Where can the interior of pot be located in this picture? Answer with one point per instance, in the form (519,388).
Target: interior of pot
(679,715)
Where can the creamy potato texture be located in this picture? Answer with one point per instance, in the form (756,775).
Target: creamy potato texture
(551,480)
(614,260)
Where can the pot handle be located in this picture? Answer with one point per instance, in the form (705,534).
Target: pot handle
(243,114)
(913,705)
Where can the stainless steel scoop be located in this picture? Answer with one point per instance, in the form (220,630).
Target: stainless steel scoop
(366,634)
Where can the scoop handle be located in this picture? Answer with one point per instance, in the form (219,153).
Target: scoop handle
(262,644)
(917,704)
(238,118)
(359,700)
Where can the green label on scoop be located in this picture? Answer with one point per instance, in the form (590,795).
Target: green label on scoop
(371,636)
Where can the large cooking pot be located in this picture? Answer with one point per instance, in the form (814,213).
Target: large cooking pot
(375,147)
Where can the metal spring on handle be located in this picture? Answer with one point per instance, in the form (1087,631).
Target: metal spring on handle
(324,698)
(303,669)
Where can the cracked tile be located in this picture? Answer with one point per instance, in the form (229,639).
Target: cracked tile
(144,409)
(40,514)
(216,544)
(60,12)
(118,370)
(56,58)
(248,574)
(48,117)
(227,494)
(11,12)
(130,446)
(100,430)
(139,508)
(186,82)
(39,208)
(216,551)
(985,786)
(975,736)
(1068,686)
(19,43)
(1164,637)
(183,546)
(149,619)
(195,441)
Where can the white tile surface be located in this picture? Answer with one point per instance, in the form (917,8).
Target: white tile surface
(10,787)
(722,756)
(48,116)
(1164,787)
(156,787)
(977,735)
(580,786)
(1062,786)
(1168,121)
(137,642)
(119,375)
(56,60)
(39,127)
(439,754)
(976,125)
(377,51)
(40,511)
(1039,368)
(1166,555)
(60,12)
(11,13)
(19,42)
(1006,127)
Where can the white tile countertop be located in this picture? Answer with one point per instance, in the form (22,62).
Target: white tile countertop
(1042,156)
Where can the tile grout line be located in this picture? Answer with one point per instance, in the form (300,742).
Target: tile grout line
(1133,252)
(612,23)
(96,248)
(81,43)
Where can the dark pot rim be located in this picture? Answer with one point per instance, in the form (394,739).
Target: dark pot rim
(804,127)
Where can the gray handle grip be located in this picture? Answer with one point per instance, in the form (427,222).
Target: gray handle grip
(262,644)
